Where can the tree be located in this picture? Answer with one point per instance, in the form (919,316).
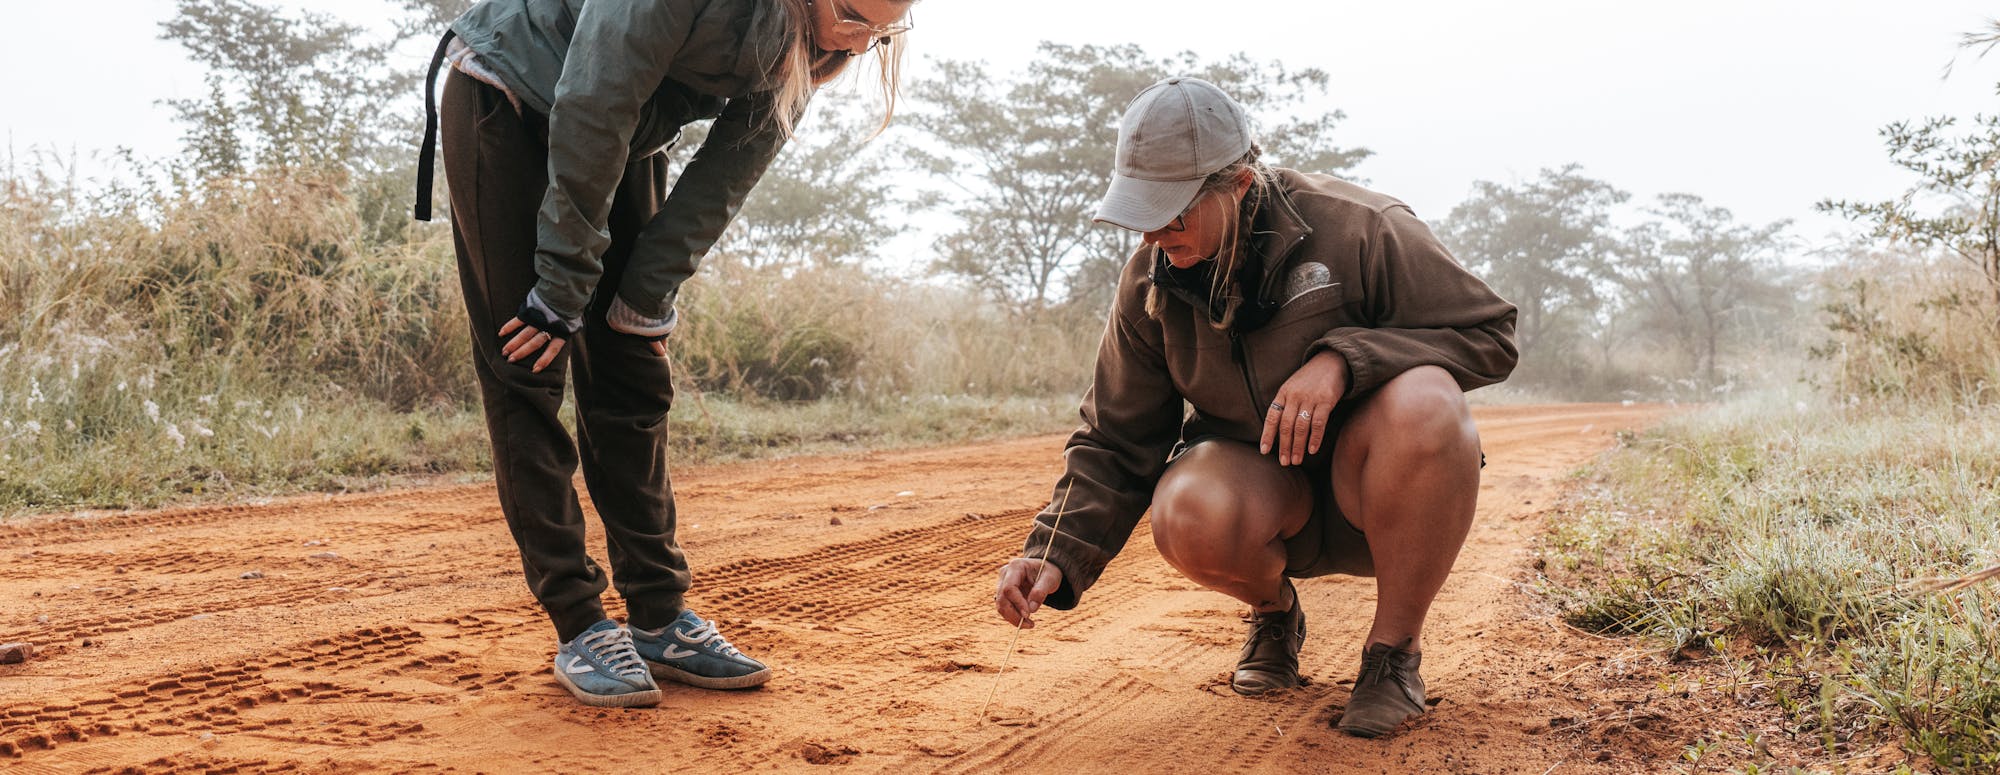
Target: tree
(1699,280)
(301,97)
(1543,245)
(214,147)
(1983,39)
(1955,206)
(828,198)
(289,92)
(1027,155)
(427,19)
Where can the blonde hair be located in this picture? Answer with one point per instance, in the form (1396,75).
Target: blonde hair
(1224,283)
(805,67)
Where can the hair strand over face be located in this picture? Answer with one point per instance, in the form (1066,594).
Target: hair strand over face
(1224,283)
(805,67)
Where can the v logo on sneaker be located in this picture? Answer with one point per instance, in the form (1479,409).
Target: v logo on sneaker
(675,652)
(577,666)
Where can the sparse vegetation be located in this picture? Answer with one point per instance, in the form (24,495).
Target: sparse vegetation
(1804,541)
(248,341)
(1837,551)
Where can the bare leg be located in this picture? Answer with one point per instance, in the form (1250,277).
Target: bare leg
(1221,515)
(1406,473)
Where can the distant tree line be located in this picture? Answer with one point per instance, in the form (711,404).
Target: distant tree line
(1605,308)
(1007,166)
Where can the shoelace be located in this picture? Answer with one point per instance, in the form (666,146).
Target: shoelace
(1374,668)
(705,634)
(1269,626)
(613,649)
(1270,630)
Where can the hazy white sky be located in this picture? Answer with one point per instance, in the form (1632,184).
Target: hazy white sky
(1762,107)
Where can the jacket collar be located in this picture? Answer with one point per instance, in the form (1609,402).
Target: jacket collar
(1278,231)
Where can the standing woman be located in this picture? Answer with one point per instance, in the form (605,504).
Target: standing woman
(1282,382)
(572,246)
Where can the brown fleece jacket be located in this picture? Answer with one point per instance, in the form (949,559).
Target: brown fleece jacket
(1341,268)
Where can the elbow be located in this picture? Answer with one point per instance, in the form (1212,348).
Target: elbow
(1506,354)
(1493,360)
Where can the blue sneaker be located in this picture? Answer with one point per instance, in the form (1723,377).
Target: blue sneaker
(690,651)
(600,667)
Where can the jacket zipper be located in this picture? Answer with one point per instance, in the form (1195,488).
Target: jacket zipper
(1249,379)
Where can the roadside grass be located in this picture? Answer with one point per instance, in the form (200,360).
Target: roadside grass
(210,447)
(719,428)
(1801,547)
(255,336)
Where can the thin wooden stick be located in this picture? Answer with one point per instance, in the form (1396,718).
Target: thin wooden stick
(1954,585)
(1054,531)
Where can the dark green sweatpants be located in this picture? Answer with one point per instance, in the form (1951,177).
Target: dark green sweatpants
(497,164)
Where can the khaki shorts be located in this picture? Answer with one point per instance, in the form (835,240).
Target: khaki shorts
(1328,544)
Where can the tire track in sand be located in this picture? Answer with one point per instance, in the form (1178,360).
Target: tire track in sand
(879,627)
(225,699)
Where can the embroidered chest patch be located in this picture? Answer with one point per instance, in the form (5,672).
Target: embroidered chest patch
(1306,277)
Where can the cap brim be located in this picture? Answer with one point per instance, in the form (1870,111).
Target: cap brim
(1144,205)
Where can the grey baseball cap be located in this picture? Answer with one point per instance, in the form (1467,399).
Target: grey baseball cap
(1174,134)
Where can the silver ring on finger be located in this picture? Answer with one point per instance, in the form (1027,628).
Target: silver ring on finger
(1305,415)
(1277,407)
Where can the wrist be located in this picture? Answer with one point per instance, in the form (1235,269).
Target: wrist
(624,319)
(536,312)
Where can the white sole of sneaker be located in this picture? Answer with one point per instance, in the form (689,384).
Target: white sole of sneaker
(669,673)
(645,699)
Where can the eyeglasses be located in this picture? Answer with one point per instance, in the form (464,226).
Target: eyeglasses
(1179,223)
(846,22)
(849,24)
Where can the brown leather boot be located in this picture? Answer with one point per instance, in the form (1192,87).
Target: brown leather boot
(1271,652)
(1388,692)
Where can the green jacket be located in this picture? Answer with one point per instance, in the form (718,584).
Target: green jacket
(617,80)
(1340,268)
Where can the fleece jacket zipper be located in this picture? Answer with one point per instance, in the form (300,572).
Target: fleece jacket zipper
(1249,378)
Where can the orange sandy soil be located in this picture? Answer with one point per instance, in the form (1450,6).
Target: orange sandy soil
(865,580)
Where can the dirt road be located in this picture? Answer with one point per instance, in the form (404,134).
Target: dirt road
(392,633)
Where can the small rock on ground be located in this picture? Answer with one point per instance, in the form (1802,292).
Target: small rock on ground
(15,653)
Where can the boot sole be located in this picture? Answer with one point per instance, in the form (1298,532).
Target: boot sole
(643,699)
(1372,730)
(1255,691)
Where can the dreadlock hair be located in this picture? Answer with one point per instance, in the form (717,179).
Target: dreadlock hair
(1224,285)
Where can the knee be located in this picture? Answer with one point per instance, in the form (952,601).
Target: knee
(1185,516)
(503,381)
(1427,411)
(625,419)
